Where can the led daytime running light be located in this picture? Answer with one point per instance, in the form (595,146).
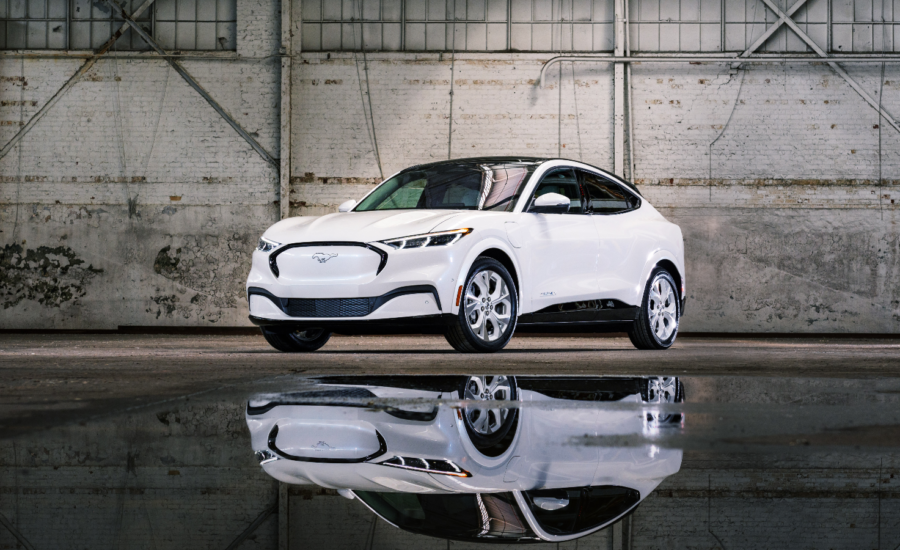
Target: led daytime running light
(441,238)
(429,466)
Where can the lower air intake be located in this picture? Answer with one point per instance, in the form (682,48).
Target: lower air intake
(329,307)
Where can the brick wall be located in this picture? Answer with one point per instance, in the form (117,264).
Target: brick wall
(787,225)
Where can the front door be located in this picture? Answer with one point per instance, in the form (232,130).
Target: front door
(563,249)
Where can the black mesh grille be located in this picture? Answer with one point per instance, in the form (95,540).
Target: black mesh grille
(330,307)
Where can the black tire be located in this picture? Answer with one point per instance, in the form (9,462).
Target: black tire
(663,390)
(297,341)
(460,334)
(488,442)
(642,334)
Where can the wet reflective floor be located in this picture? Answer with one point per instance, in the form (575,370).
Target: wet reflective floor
(626,456)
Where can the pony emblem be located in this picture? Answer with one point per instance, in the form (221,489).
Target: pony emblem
(323,257)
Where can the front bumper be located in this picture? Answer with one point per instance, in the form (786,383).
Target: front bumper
(350,287)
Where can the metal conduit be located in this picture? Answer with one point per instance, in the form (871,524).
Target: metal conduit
(710,59)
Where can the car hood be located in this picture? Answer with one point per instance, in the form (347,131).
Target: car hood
(358,226)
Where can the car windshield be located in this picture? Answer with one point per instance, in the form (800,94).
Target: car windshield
(463,517)
(452,186)
(570,511)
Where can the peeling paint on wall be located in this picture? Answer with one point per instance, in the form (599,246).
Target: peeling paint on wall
(209,267)
(52,276)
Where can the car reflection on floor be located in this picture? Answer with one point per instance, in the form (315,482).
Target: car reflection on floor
(499,466)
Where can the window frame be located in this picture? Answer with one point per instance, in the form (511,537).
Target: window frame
(550,172)
(588,209)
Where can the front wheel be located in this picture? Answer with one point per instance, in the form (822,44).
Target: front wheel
(657,323)
(297,341)
(487,311)
(488,427)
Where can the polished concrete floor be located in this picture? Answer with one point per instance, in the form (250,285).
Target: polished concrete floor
(49,379)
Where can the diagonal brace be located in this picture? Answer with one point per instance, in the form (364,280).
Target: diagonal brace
(71,82)
(194,84)
(837,68)
(782,19)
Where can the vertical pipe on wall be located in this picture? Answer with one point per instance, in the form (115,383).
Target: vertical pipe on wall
(630,96)
(284,176)
(619,93)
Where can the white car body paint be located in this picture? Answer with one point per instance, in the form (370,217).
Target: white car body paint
(558,258)
(541,454)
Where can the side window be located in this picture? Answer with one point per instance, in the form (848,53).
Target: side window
(605,196)
(564,182)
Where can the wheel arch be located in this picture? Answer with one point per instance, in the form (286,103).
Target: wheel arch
(496,250)
(673,270)
(667,260)
(507,262)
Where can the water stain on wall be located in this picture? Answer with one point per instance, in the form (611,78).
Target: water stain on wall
(52,276)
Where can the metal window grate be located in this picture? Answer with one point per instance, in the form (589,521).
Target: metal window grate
(480,25)
(88,24)
(865,26)
(588,25)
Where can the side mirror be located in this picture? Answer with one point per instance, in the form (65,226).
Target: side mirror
(550,203)
(550,503)
(347,206)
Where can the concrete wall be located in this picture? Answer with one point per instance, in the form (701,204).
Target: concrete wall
(133,203)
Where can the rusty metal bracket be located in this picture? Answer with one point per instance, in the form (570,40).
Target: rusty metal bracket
(195,85)
(71,82)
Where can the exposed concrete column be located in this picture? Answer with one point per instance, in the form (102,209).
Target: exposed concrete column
(287,55)
(619,93)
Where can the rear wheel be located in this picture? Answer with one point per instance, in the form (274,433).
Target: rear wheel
(298,341)
(657,323)
(487,311)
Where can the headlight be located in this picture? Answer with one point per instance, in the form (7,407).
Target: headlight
(265,245)
(441,238)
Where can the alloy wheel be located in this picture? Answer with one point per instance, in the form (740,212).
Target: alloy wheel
(663,309)
(488,305)
(487,388)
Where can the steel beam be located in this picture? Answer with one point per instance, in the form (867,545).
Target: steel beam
(195,85)
(619,93)
(837,68)
(253,526)
(15,533)
(287,56)
(71,82)
(771,30)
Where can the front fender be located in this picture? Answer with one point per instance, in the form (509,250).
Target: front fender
(488,242)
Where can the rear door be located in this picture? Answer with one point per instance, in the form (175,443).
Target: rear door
(613,213)
(562,249)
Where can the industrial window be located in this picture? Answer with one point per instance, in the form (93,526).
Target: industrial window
(588,25)
(88,24)
(865,25)
(461,25)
